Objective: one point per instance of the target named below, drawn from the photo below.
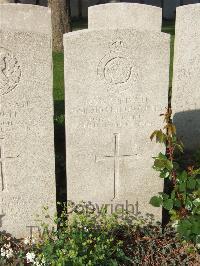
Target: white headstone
(116, 85)
(186, 82)
(27, 176)
(125, 15)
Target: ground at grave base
(105, 240)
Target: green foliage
(84, 240)
(183, 203)
(99, 240)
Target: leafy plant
(183, 202)
(99, 239)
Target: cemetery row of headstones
(116, 86)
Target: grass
(58, 69)
(168, 27)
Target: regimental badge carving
(115, 68)
(10, 71)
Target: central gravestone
(116, 87)
(27, 176)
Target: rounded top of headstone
(190, 6)
(187, 19)
(188, 9)
(125, 15)
(25, 17)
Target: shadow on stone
(188, 128)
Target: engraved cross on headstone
(3, 159)
(116, 158)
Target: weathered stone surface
(125, 15)
(6, 1)
(116, 86)
(27, 176)
(186, 82)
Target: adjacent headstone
(186, 82)
(125, 15)
(116, 86)
(27, 176)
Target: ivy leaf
(156, 201)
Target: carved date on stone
(10, 71)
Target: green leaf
(183, 176)
(177, 203)
(196, 202)
(174, 215)
(159, 135)
(196, 172)
(196, 227)
(173, 195)
(162, 156)
(182, 187)
(168, 204)
(165, 196)
(191, 184)
(188, 204)
(156, 201)
(176, 165)
(153, 135)
(159, 163)
(164, 174)
(179, 147)
(169, 165)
